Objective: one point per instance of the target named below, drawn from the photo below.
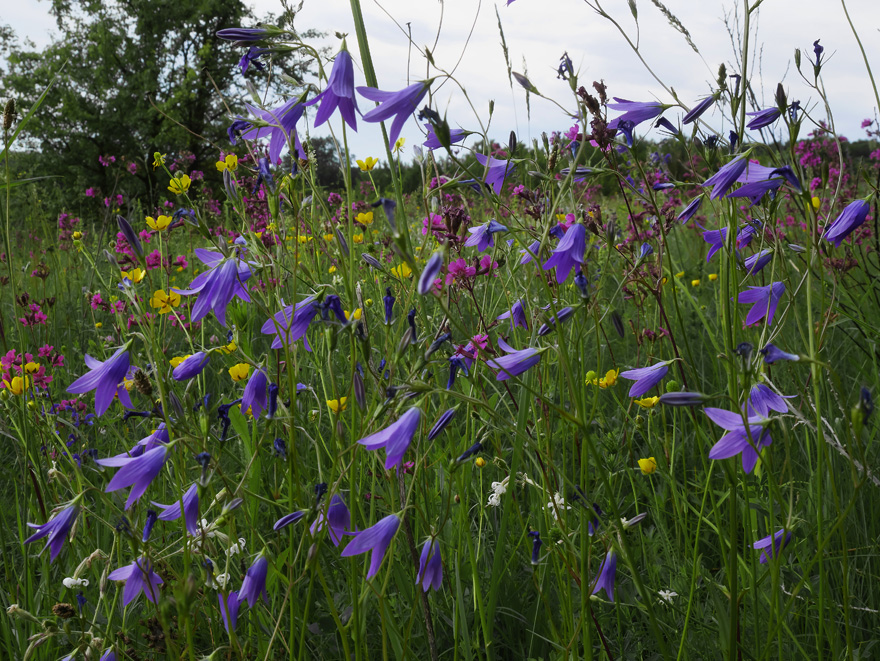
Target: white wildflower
(222, 580)
(75, 582)
(557, 505)
(666, 596)
(498, 490)
(235, 549)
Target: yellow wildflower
(304, 238)
(135, 275)
(180, 184)
(329, 237)
(365, 218)
(648, 465)
(402, 271)
(337, 405)
(357, 314)
(610, 379)
(178, 359)
(358, 238)
(98, 324)
(479, 462)
(367, 164)
(647, 402)
(229, 348)
(31, 367)
(18, 384)
(77, 236)
(239, 372)
(229, 163)
(332, 269)
(399, 144)
(695, 283)
(680, 274)
(165, 301)
(158, 160)
(158, 224)
(713, 277)
(816, 203)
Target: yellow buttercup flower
(367, 164)
(647, 402)
(680, 274)
(158, 160)
(816, 203)
(399, 144)
(713, 277)
(31, 367)
(165, 302)
(648, 465)
(329, 237)
(357, 314)
(158, 224)
(357, 238)
(365, 218)
(18, 384)
(77, 236)
(332, 269)
(304, 238)
(695, 283)
(479, 462)
(229, 163)
(179, 185)
(402, 271)
(135, 275)
(239, 372)
(229, 348)
(179, 359)
(610, 379)
(98, 324)
(337, 405)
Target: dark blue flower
(254, 397)
(569, 252)
(497, 170)
(237, 127)
(291, 323)
(339, 93)
(433, 142)
(560, 317)
(395, 438)
(765, 300)
(741, 438)
(606, 576)
(287, 519)
(698, 110)
(683, 398)
(139, 577)
(470, 452)
(400, 105)
(229, 609)
(688, 212)
(482, 236)
(243, 35)
(389, 304)
(645, 377)
(252, 56)
(772, 353)
(441, 423)
(716, 239)
(666, 124)
(191, 367)
(536, 545)
(254, 584)
(282, 127)
(135, 472)
(757, 189)
(515, 362)
(130, 236)
(758, 261)
(635, 111)
(430, 566)
(337, 519)
(762, 400)
(55, 529)
(847, 222)
(150, 521)
(516, 314)
(762, 118)
(432, 269)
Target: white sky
(538, 31)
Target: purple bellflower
(287, 519)
(337, 519)
(645, 377)
(229, 609)
(135, 472)
(252, 56)
(430, 566)
(433, 142)
(400, 105)
(191, 367)
(773, 353)
(254, 397)
(441, 423)
(429, 273)
(243, 35)
(105, 379)
(254, 584)
(568, 252)
(516, 314)
(772, 545)
(527, 253)
(606, 576)
(560, 317)
(339, 93)
(139, 577)
(482, 236)
(757, 189)
(190, 511)
(291, 323)
(849, 219)
(635, 111)
(375, 539)
(217, 286)
(695, 112)
(688, 212)
(282, 121)
(726, 177)
(762, 118)
(515, 362)
(55, 529)
(758, 261)
(395, 438)
(737, 440)
(108, 655)
(762, 400)
(765, 300)
(497, 171)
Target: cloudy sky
(538, 32)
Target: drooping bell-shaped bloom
(527, 253)
(606, 576)
(135, 472)
(229, 610)
(217, 286)
(634, 111)
(105, 378)
(516, 314)
(190, 510)
(560, 317)
(483, 236)
(762, 400)
(400, 105)
(337, 519)
(726, 177)
(55, 529)
(254, 584)
(773, 353)
(339, 93)
(426, 279)
(849, 219)
(441, 423)
(376, 539)
(243, 35)
(771, 545)
(758, 261)
(497, 171)
(139, 577)
(291, 323)
(695, 112)
(737, 439)
(762, 118)
(287, 519)
(645, 377)
(254, 397)
(757, 189)
(395, 438)
(433, 142)
(715, 239)
(191, 367)
(568, 253)
(515, 362)
(282, 120)
(430, 566)
(108, 655)
(764, 300)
